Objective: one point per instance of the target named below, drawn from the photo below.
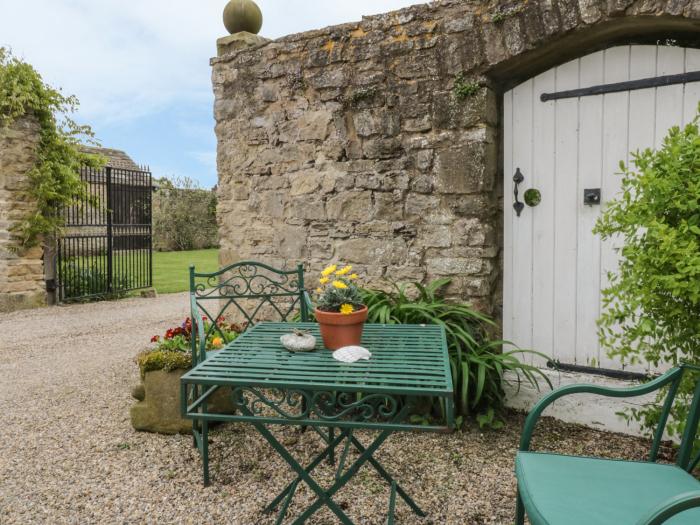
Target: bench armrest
(199, 341)
(550, 398)
(672, 506)
(309, 305)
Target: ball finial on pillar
(242, 15)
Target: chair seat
(572, 490)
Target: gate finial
(242, 16)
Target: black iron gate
(106, 247)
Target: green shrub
(652, 305)
(478, 363)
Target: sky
(140, 68)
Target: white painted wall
(586, 409)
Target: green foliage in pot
(54, 182)
(479, 365)
(652, 303)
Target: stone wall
(21, 273)
(350, 144)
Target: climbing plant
(652, 304)
(54, 181)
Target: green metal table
(271, 385)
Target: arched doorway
(568, 144)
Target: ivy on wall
(54, 181)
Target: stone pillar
(237, 42)
(21, 271)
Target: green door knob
(242, 15)
(532, 197)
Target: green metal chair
(554, 489)
(246, 287)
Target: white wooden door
(554, 267)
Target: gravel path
(69, 454)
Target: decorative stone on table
(298, 341)
(351, 354)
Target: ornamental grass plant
(479, 364)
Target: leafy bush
(184, 216)
(479, 364)
(652, 304)
(339, 292)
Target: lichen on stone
(151, 360)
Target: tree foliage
(184, 216)
(54, 182)
(652, 304)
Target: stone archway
(638, 27)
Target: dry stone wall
(350, 143)
(21, 273)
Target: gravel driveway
(69, 454)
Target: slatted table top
(406, 359)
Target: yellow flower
(329, 270)
(344, 270)
(319, 290)
(217, 342)
(323, 280)
(353, 276)
(346, 309)
(340, 285)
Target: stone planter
(158, 406)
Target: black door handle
(518, 178)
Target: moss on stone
(161, 360)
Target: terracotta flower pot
(340, 330)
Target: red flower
(155, 339)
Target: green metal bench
(246, 287)
(555, 489)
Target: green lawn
(171, 269)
